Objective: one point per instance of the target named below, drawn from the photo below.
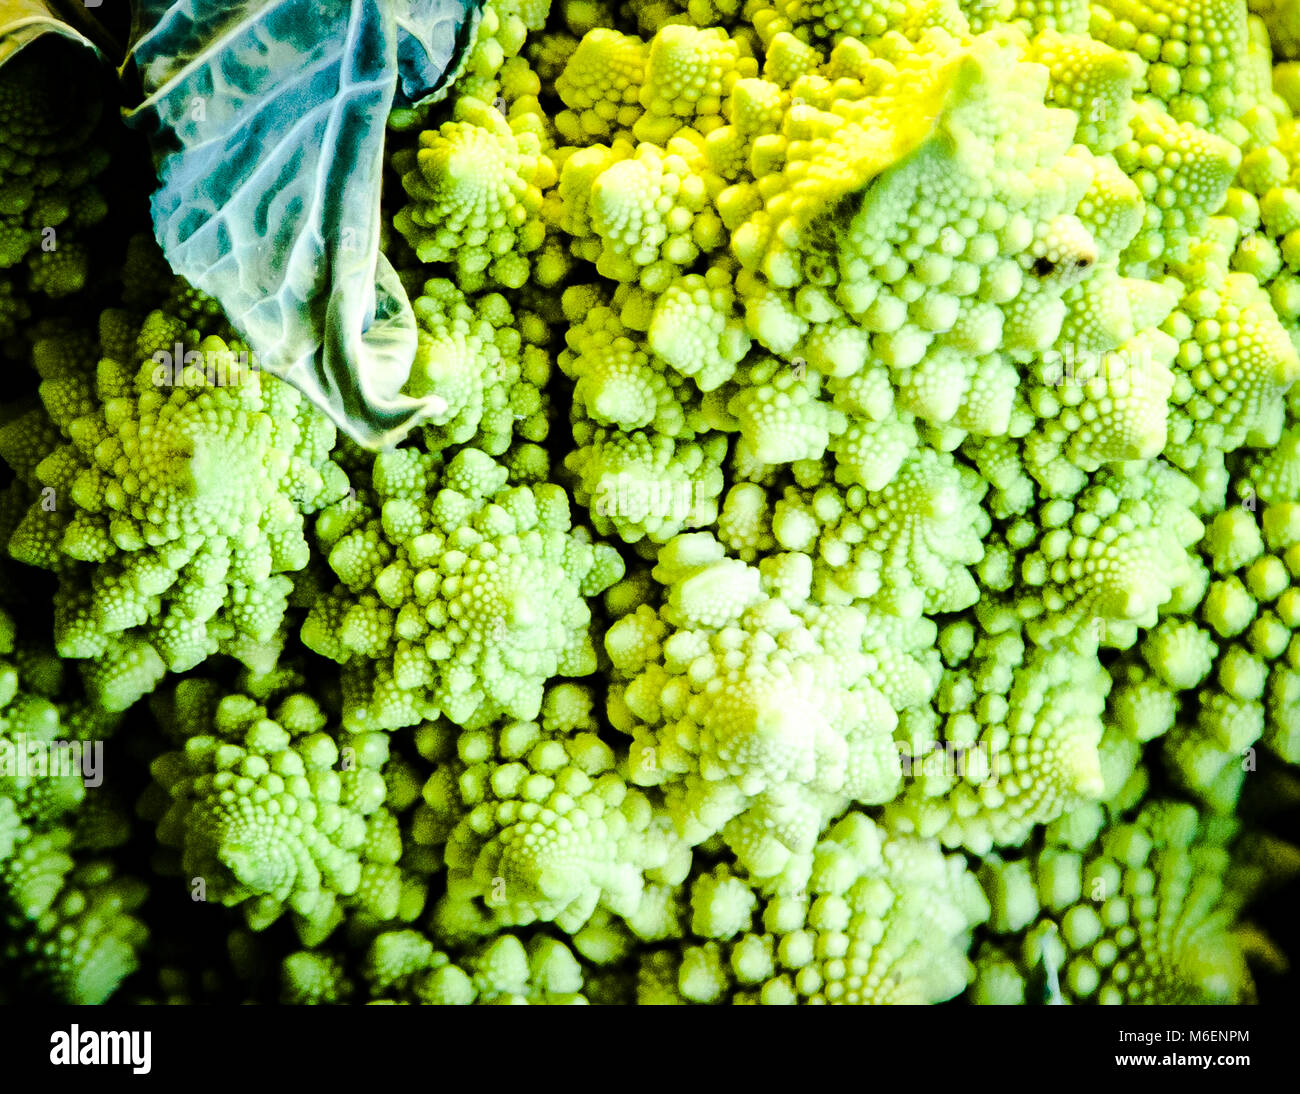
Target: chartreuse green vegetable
(267, 814)
(66, 909)
(847, 549)
(168, 480)
(52, 155)
(461, 599)
(1138, 912)
(539, 822)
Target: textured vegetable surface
(839, 540)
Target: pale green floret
(695, 328)
(78, 938)
(50, 157)
(601, 87)
(1251, 614)
(460, 595)
(487, 362)
(779, 414)
(1145, 917)
(618, 383)
(1234, 364)
(403, 966)
(37, 795)
(639, 213)
(66, 917)
(1096, 408)
(689, 74)
(880, 919)
(1062, 16)
(1179, 652)
(537, 821)
(269, 814)
(313, 979)
(903, 548)
(170, 502)
(1194, 50)
(1103, 563)
(791, 705)
(825, 23)
(476, 195)
(1093, 81)
(642, 486)
(1018, 746)
(1182, 173)
(876, 438)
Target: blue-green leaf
(267, 122)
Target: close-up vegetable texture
(677, 501)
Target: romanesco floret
(168, 497)
(760, 712)
(70, 934)
(50, 156)
(269, 814)
(1223, 680)
(459, 595)
(405, 967)
(643, 211)
(903, 548)
(488, 363)
(1192, 50)
(601, 87)
(1095, 567)
(77, 937)
(537, 820)
(476, 196)
(1234, 364)
(1145, 916)
(882, 918)
(1018, 743)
